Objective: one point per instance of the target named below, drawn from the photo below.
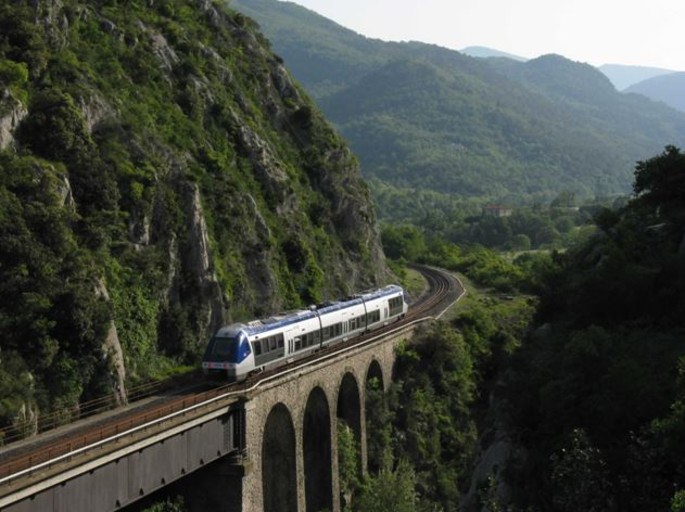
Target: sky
(632, 32)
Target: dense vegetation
(597, 393)
(588, 399)
(422, 117)
(160, 174)
(423, 433)
(466, 222)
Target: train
(238, 350)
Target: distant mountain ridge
(485, 52)
(422, 116)
(669, 89)
(623, 76)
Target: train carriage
(239, 349)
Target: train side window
(272, 343)
(280, 341)
(257, 348)
(298, 343)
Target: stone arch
(279, 469)
(316, 447)
(348, 413)
(376, 417)
(375, 372)
(349, 404)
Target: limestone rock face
(112, 353)
(196, 182)
(11, 114)
(198, 260)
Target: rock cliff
(182, 171)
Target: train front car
(397, 301)
(384, 306)
(229, 354)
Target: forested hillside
(421, 116)
(596, 394)
(160, 175)
(562, 388)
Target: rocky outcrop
(353, 217)
(12, 112)
(94, 110)
(499, 457)
(26, 421)
(50, 14)
(199, 170)
(66, 195)
(113, 357)
(112, 353)
(268, 171)
(198, 262)
(258, 257)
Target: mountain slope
(160, 175)
(423, 116)
(339, 57)
(669, 89)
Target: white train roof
(287, 318)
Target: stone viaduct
(291, 442)
(270, 448)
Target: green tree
(436, 384)
(660, 182)
(581, 478)
(403, 242)
(392, 490)
(348, 465)
(520, 242)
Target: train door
(289, 341)
(294, 342)
(344, 317)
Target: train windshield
(225, 349)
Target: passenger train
(240, 349)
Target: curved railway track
(24, 457)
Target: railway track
(20, 458)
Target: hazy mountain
(423, 116)
(324, 55)
(484, 52)
(669, 89)
(623, 76)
